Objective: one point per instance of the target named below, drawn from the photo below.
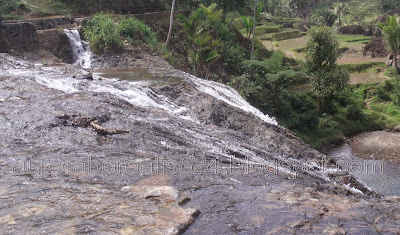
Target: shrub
(136, 32)
(354, 111)
(382, 92)
(9, 6)
(103, 33)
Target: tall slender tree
(254, 30)
(329, 80)
(171, 23)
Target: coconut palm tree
(340, 10)
(391, 36)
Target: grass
(353, 38)
(363, 67)
(15, 9)
(280, 36)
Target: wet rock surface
(381, 145)
(191, 163)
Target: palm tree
(391, 36)
(340, 10)
(248, 24)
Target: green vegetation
(391, 36)
(321, 54)
(106, 33)
(136, 32)
(103, 33)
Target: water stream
(381, 176)
(80, 48)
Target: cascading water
(176, 114)
(80, 48)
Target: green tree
(358, 17)
(322, 52)
(391, 36)
(301, 7)
(248, 24)
(200, 28)
(341, 9)
(327, 16)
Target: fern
(275, 62)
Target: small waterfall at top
(80, 48)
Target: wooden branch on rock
(105, 131)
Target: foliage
(391, 36)
(341, 9)
(326, 16)
(103, 33)
(248, 24)
(321, 55)
(201, 30)
(358, 17)
(301, 7)
(136, 32)
(388, 5)
(360, 67)
(211, 40)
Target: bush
(382, 92)
(103, 33)
(136, 32)
(354, 111)
(9, 6)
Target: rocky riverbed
(195, 159)
(379, 145)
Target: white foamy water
(80, 48)
(230, 96)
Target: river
(382, 176)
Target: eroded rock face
(188, 165)
(375, 48)
(352, 29)
(18, 37)
(57, 43)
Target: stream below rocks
(381, 176)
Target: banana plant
(248, 23)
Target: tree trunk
(320, 108)
(233, 18)
(395, 63)
(254, 36)
(254, 31)
(224, 9)
(171, 23)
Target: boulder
(83, 75)
(352, 29)
(373, 31)
(287, 25)
(389, 60)
(375, 48)
(382, 18)
(303, 26)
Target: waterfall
(82, 53)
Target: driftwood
(105, 131)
